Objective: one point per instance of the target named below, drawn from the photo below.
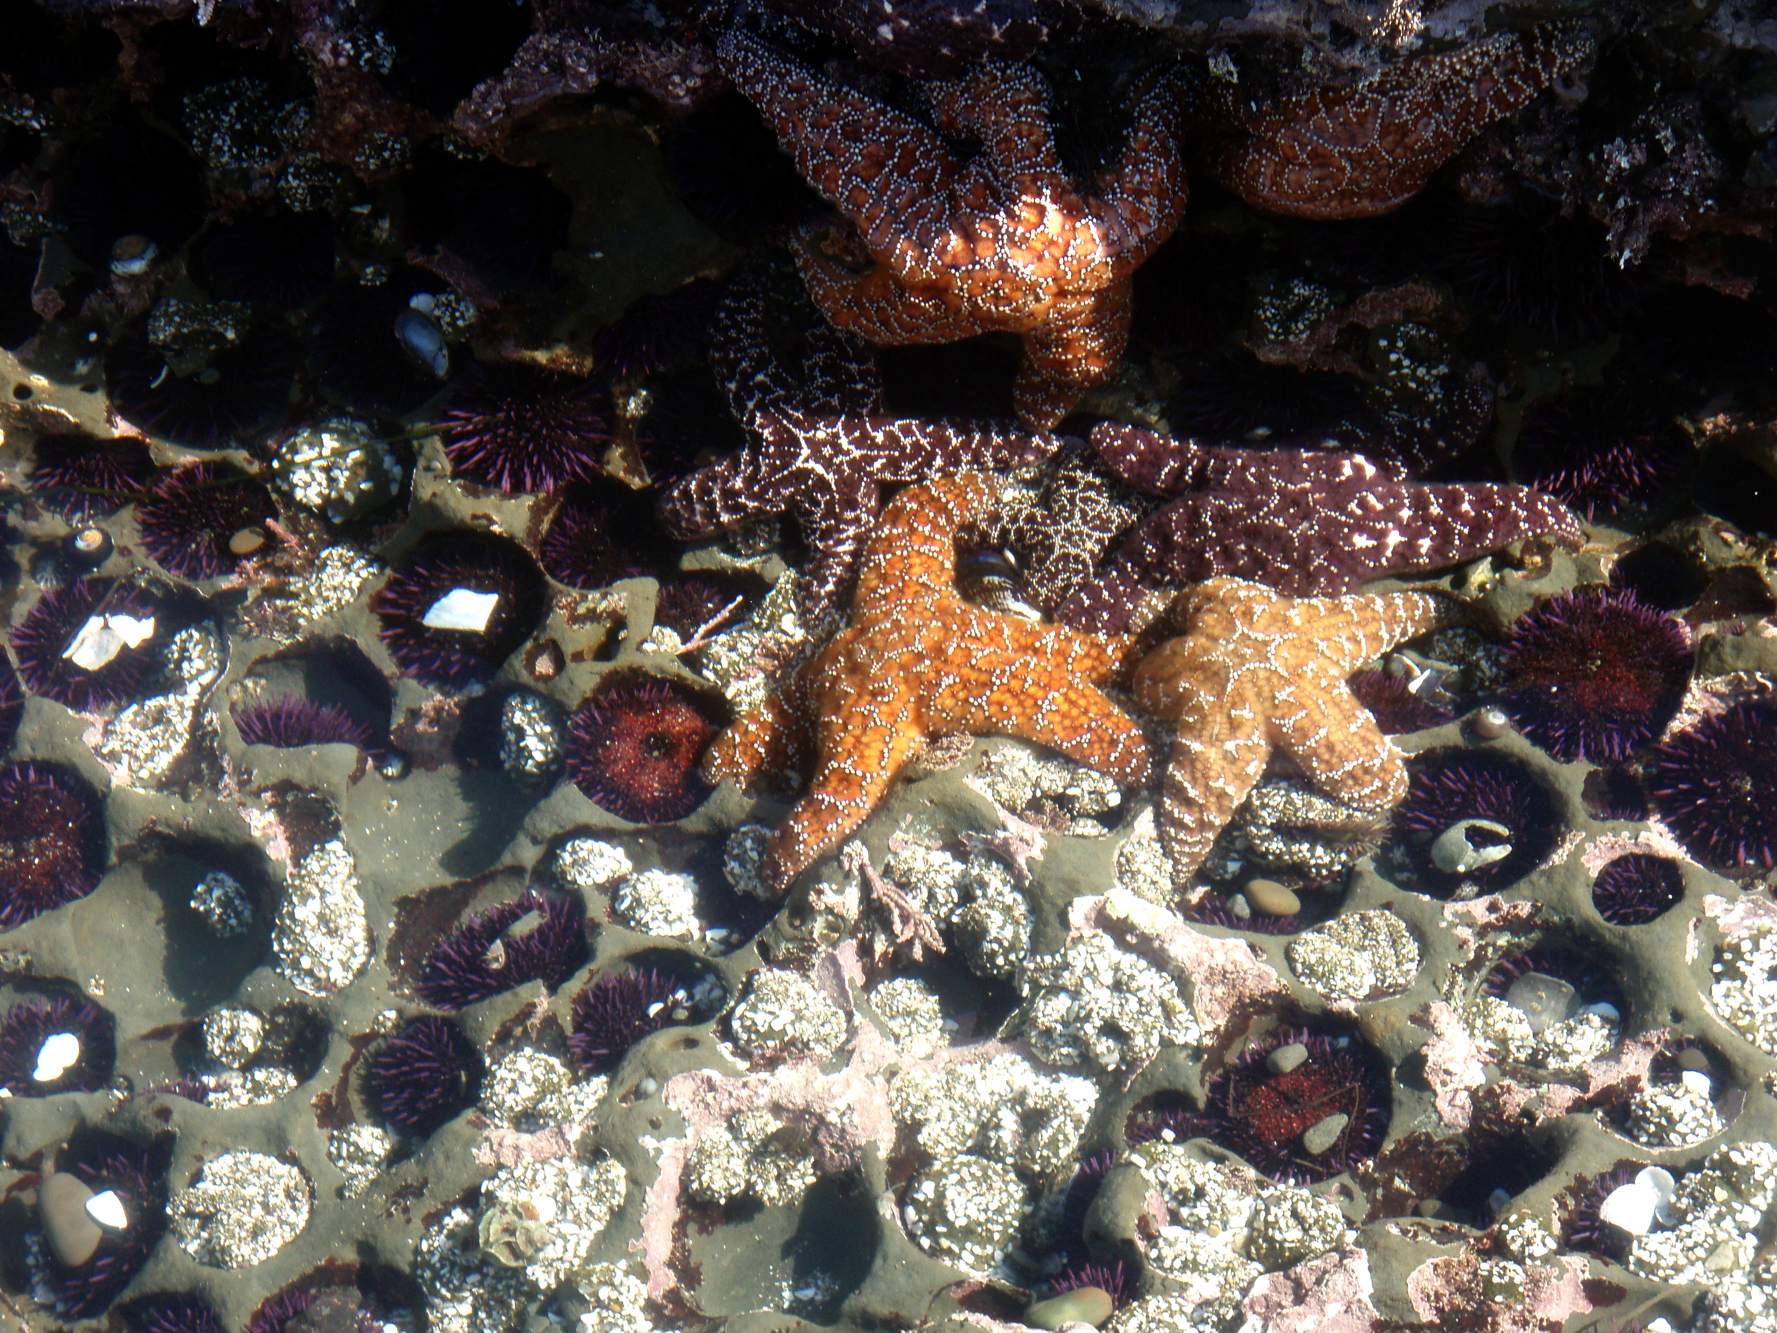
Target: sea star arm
(1361, 149)
(837, 373)
(712, 498)
(1006, 107)
(885, 171)
(775, 736)
(878, 306)
(1141, 196)
(1215, 762)
(864, 743)
(1062, 358)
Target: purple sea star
(1306, 523)
(820, 448)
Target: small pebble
(1286, 1058)
(61, 1206)
(1693, 1058)
(1697, 1083)
(1239, 907)
(1082, 1305)
(1491, 724)
(1272, 898)
(1323, 1134)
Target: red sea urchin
(1595, 674)
(28, 1024)
(290, 721)
(516, 426)
(531, 938)
(1715, 783)
(445, 656)
(52, 840)
(192, 515)
(634, 749)
(1448, 831)
(617, 1010)
(1636, 888)
(422, 1076)
(138, 1175)
(1300, 1115)
(1601, 452)
(81, 477)
(42, 639)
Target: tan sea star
(1255, 671)
(916, 663)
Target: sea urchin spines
(1601, 452)
(516, 426)
(1472, 817)
(423, 1075)
(617, 1010)
(1637, 888)
(1595, 674)
(531, 938)
(1114, 1279)
(603, 531)
(52, 840)
(431, 608)
(1166, 1117)
(1301, 1106)
(290, 720)
(1565, 979)
(42, 640)
(37, 1059)
(185, 1313)
(635, 747)
(190, 519)
(1715, 784)
(281, 261)
(234, 392)
(138, 1176)
(81, 477)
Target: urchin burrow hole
(1554, 977)
(330, 673)
(1475, 816)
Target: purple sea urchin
(81, 477)
(28, 1024)
(1595, 674)
(531, 938)
(1586, 1228)
(52, 840)
(333, 1304)
(185, 1313)
(290, 720)
(12, 704)
(1114, 1279)
(1715, 783)
(634, 749)
(1393, 704)
(1590, 983)
(603, 531)
(192, 515)
(515, 426)
(280, 261)
(617, 1010)
(1305, 1120)
(42, 639)
(1166, 1117)
(1524, 263)
(1446, 833)
(659, 332)
(203, 403)
(687, 417)
(693, 602)
(1635, 889)
(1601, 451)
(423, 1075)
(138, 1175)
(451, 562)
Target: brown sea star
(1363, 148)
(819, 445)
(1254, 672)
(963, 245)
(916, 663)
(1303, 521)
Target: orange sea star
(1256, 671)
(964, 245)
(1363, 148)
(917, 662)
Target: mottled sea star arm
(885, 171)
(1141, 196)
(837, 374)
(877, 306)
(712, 498)
(1007, 108)
(774, 737)
(1064, 358)
(1149, 461)
(1208, 774)
(863, 744)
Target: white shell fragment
(57, 1055)
(1634, 1207)
(106, 1209)
(1697, 1083)
(462, 608)
(104, 636)
(1456, 854)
